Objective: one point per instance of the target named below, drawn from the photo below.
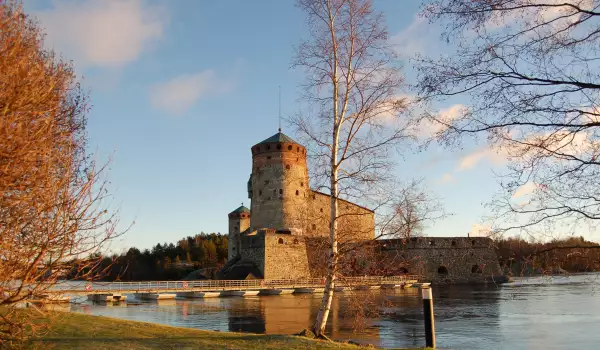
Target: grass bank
(79, 331)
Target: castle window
(298, 149)
(442, 270)
(314, 227)
(287, 166)
(302, 184)
(260, 193)
(431, 243)
(473, 242)
(314, 197)
(476, 269)
(235, 227)
(280, 241)
(280, 191)
(321, 210)
(297, 192)
(295, 240)
(278, 146)
(266, 182)
(453, 243)
(289, 147)
(268, 157)
(268, 146)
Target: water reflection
(518, 316)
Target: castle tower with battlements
(278, 185)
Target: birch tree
(529, 71)
(353, 113)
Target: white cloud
(525, 189)
(182, 92)
(447, 178)
(410, 41)
(495, 156)
(428, 127)
(478, 230)
(102, 33)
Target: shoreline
(71, 330)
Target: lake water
(531, 313)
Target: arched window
(442, 270)
(295, 240)
(476, 269)
(280, 241)
(297, 192)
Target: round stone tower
(278, 185)
(239, 221)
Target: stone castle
(279, 236)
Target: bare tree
(352, 87)
(52, 216)
(529, 71)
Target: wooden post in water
(428, 317)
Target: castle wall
(237, 224)
(286, 257)
(444, 259)
(355, 223)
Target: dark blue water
(534, 313)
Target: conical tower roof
(278, 138)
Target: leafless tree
(53, 219)
(529, 71)
(355, 118)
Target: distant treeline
(168, 261)
(521, 257)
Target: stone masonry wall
(285, 257)
(355, 224)
(445, 259)
(279, 186)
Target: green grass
(79, 331)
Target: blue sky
(181, 90)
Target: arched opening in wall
(476, 269)
(297, 193)
(280, 241)
(442, 270)
(295, 240)
(321, 210)
(287, 167)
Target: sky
(181, 89)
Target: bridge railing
(215, 285)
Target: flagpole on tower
(279, 108)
